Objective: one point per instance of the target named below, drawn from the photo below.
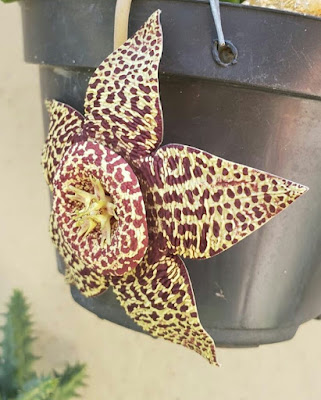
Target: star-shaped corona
(125, 210)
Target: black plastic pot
(264, 111)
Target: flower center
(97, 211)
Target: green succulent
(18, 380)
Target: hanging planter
(263, 111)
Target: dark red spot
(267, 198)
(216, 229)
(230, 193)
(241, 217)
(237, 203)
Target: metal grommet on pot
(224, 52)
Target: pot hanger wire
(122, 11)
(215, 8)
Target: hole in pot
(225, 55)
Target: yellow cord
(122, 11)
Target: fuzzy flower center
(97, 211)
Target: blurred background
(122, 364)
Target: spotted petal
(85, 278)
(83, 163)
(159, 298)
(122, 105)
(202, 204)
(65, 128)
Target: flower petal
(82, 163)
(202, 204)
(65, 128)
(122, 105)
(86, 279)
(158, 296)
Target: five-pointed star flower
(125, 210)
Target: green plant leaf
(41, 389)
(17, 359)
(71, 379)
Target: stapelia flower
(124, 212)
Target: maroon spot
(251, 227)
(144, 89)
(244, 226)
(272, 209)
(265, 188)
(216, 229)
(230, 193)
(216, 196)
(267, 198)
(220, 209)
(205, 195)
(225, 172)
(203, 244)
(241, 217)
(262, 177)
(177, 213)
(227, 205)
(237, 203)
(247, 191)
(200, 212)
(197, 172)
(229, 227)
(254, 199)
(229, 216)
(190, 197)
